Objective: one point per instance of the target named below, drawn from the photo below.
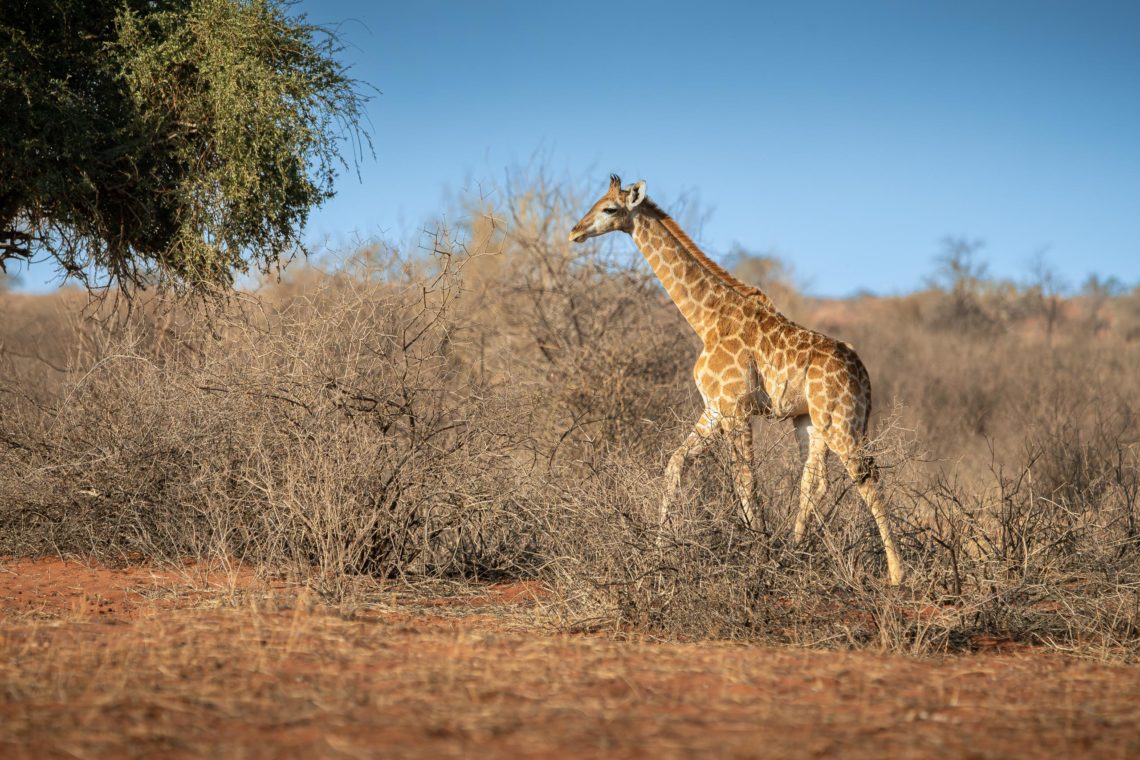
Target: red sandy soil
(96, 662)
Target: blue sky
(846, 137)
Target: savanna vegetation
(498, 406)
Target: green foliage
(180, 140)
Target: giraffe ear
(636, 194)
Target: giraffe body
(754, 361)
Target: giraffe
(754, 361)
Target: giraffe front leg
(696, 442)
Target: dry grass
(503, 409)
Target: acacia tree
(178, 140)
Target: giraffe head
(614, 211)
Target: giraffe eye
(609, 210)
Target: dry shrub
(506, 408)
(328, 434)
(587, 332)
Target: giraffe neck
(698, 287)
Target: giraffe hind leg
(813, 482)
(743, 481)
(863, 471)
(869, 490)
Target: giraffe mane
(694, 250)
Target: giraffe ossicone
(754, 361)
